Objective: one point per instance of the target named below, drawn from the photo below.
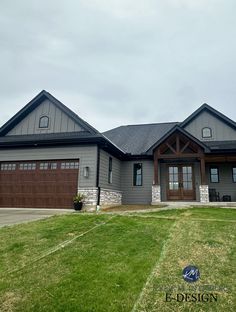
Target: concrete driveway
(10, 216)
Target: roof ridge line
(153, 123)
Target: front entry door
(180, 182)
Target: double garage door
(38, 184)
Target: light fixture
(86, 172)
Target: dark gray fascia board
(49, 141)
(95, 139)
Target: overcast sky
(117, 62)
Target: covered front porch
(186, 171)
(221, 177)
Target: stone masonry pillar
(156, 194)
(204, 193)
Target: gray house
(48, 154)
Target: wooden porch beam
(171, 148)
(156, 173)
(219, 158)
(193, 155)
(185, 146)
(203, 170)
(177, 143)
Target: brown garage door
(38, 184)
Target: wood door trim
(181, 191)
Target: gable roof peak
(179, 129)
(212, 111)
(35, 102)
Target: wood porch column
(203, 170)
(156, 173)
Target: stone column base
(204, 193)
(91, 195)
(156, 194)
(110, 197)
(107, 197)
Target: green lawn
(104, 262)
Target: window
(110, 171)
(46, 166)
(70, 165)
(206, 133)
(137, 175)
(173, 178)
(43, 166)
(44, 122)
(53, 166)
(234, 174)
(214, 175)
(28, 166)
(8, 167)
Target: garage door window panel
(69, 165)
(27, 166)
(48, 166)
(43, 166)
(8, 167)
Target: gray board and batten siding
(58, 121)
(87, 156)
(220, 130)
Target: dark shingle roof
(50, 138)
(46, 136)
(137, 139)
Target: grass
(123, 208)
(122, 263)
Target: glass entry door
(180, 182)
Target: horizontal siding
(136, 194)
(87, 156)
(226, 185)
(220, 130)
(58, 121)
(104, 169)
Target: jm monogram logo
(191, 274)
